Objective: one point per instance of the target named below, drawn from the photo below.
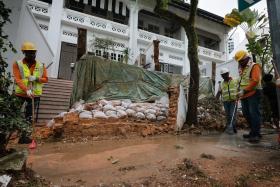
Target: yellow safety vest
(229, 90)
(25, 74)
(246, 78)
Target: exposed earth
(164, 160)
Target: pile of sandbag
(104, 109)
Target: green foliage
(103, 44)
(165, 4)
(10, 114)
(260, 45)
(249, 16)
(252, 22)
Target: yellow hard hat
(28, 46)
(239, 55)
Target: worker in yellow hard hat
(250, 94)
(29, 75)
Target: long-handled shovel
(235, 105)
(33, 143)
(234, 112)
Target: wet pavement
(106, 161)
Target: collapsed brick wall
(173, 105)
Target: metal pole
(273, 8)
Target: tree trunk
(156, 55)
(194, 76)
(194, 69)
(188, 24)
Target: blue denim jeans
(251, 111)
(230, 110)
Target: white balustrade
(95, 22)
(209, 53)
(165, 41)
(39, 8)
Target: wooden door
(68, 55)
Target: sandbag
(100, 115)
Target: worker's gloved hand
(32, 78)
(240, 93)
(277, 82)
(29, 93)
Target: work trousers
(251, 111)
(28, 107)
(230, 109)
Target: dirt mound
(211, 115)
(70, 127)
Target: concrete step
(56, 96)
(55, 89)
(50, 111)
(59, 80)
(44, 106)
(57, 86)
(65, 100)
(49, 92)
(54, 103)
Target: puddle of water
(94, 162)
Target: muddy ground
(165, 160)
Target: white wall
(23, 28)
(12, 29)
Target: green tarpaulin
(97, 79)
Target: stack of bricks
(173, 105)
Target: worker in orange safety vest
(29, 75)
(250, 94)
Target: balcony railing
(179, 45)
(209, 53)
(103, 25)
(39, 8)
(164, 41)
(95, 22)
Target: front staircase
(55, 99)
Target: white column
(102, 4)
(186, 62)
(225, 47)
(124, 9)
(117, 5)
(133, 31)
(110, 4)
(54, 33)
(93, 3)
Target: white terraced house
(131, 25)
